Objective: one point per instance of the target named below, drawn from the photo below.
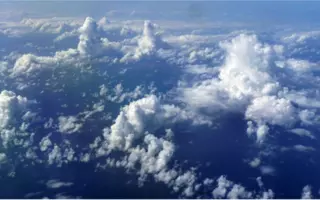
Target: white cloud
(302, 133)
(69, 124)
(91, 44)
(228, 189)
(89, 40)
(55, 184)
(267, 170)
(223, 185)
(238, 191)
(10, 103)
(255, 162)
(282, 112)
(306, 192)
(45, 143)
(144, 114)
(147, 44)
(249, 82)
(55, 156)
(303, 148)
(136, 122)
(12, 109)
(119, 95)
(3, 157)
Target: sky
(158, 99)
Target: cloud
(119, 95)
(50, 25)
(302, 133)
(240, 75)
(55, 156)
(148, 44)
(10, 103)
(146, 114)
(45, 143)
(282, 112)
(250, 81)
(12, 109)
(300, 148)
(3, 157)
(306, 192)
(153, 154)
(91, 45)
(228, 189)
(55, 184)
(267, 170)
(255, 162)
(89, 40)
(69, 124)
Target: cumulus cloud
(282, 112)
(306, 192)
(91, 45)
(228, 189)
(69, 124)
(147, 44)
(119, 95)
(146, 114)
(89, 40)
(255, 162)
(250, 81)
(45, 143)
(12, 109)
(136, 122)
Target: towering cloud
(12, 109)
(147, 44)
(247, 82)
(89, 39)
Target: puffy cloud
(91, 45)
(301, 37)
(29, 63)
(50, 25)
(146, 114)
(222, 186)
(228, 189)
(282, 112)
(255, 162)
(89, 40)
(238, 191)
(306, 192)
(251, 82)
(45, 143)
(55, 156)
(12, 109)
(3, 157)
(243, 77)
(148, 43)
(69, 124)
(10, 104)
(153, 155)
(119, 95)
